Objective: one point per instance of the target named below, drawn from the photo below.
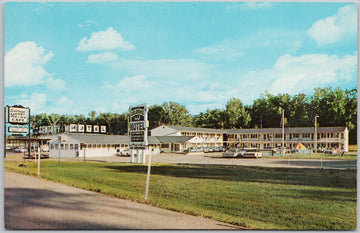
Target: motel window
(61, 146)
(278, 135)
(71, 146)
(253, 135)
(165, 145)
(117, 145)
(89, 146)
(56, 146)
(52, 146)
(76, 146)
(296, 135)
(306, 135)
(66, 146)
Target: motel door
(177, 147)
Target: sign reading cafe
(18, 115)
(138, 126)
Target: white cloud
(165, 69)
(24, 65)
(284, 41)
(55, 84)
(63, 101)
(104, 40)
(102, 57)
(250, 5)
(36, 102)
(335, 28)
(294, 74)
(225, 50)
(87, 23)
(137, 85)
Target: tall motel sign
(17, 118)
(138, 132)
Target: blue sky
(71, 58)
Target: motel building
(328, 138)
(178, 139)
(262, 139)
(96, 145)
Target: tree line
(334, 107)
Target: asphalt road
(32, 203)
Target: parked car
(209, 149)
(125, 152)
(232, 153)
(251, 154)
(19, 150)
(218, 149)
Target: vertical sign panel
(138, 126)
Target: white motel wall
(179, 139)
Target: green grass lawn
(253, 197)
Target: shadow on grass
(292, 176)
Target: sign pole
(148, 176)
(137, 156)
(38, 161)
(29, 134)
(131, 155)
(5, 110)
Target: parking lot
(216, 159)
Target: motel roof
(262, 130)
(195, 129)
(121, 139)
(289, 130)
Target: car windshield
(232, 150)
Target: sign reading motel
(71, 128)
(138, 126)
(18, 115)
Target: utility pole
(315, 136)
(29, 127)
(283, 133)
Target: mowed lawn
(252, 197)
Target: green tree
(156, 116)
(237, 116)
(175, 114)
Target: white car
(251, 154)
(19, 150)
(232, 153)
